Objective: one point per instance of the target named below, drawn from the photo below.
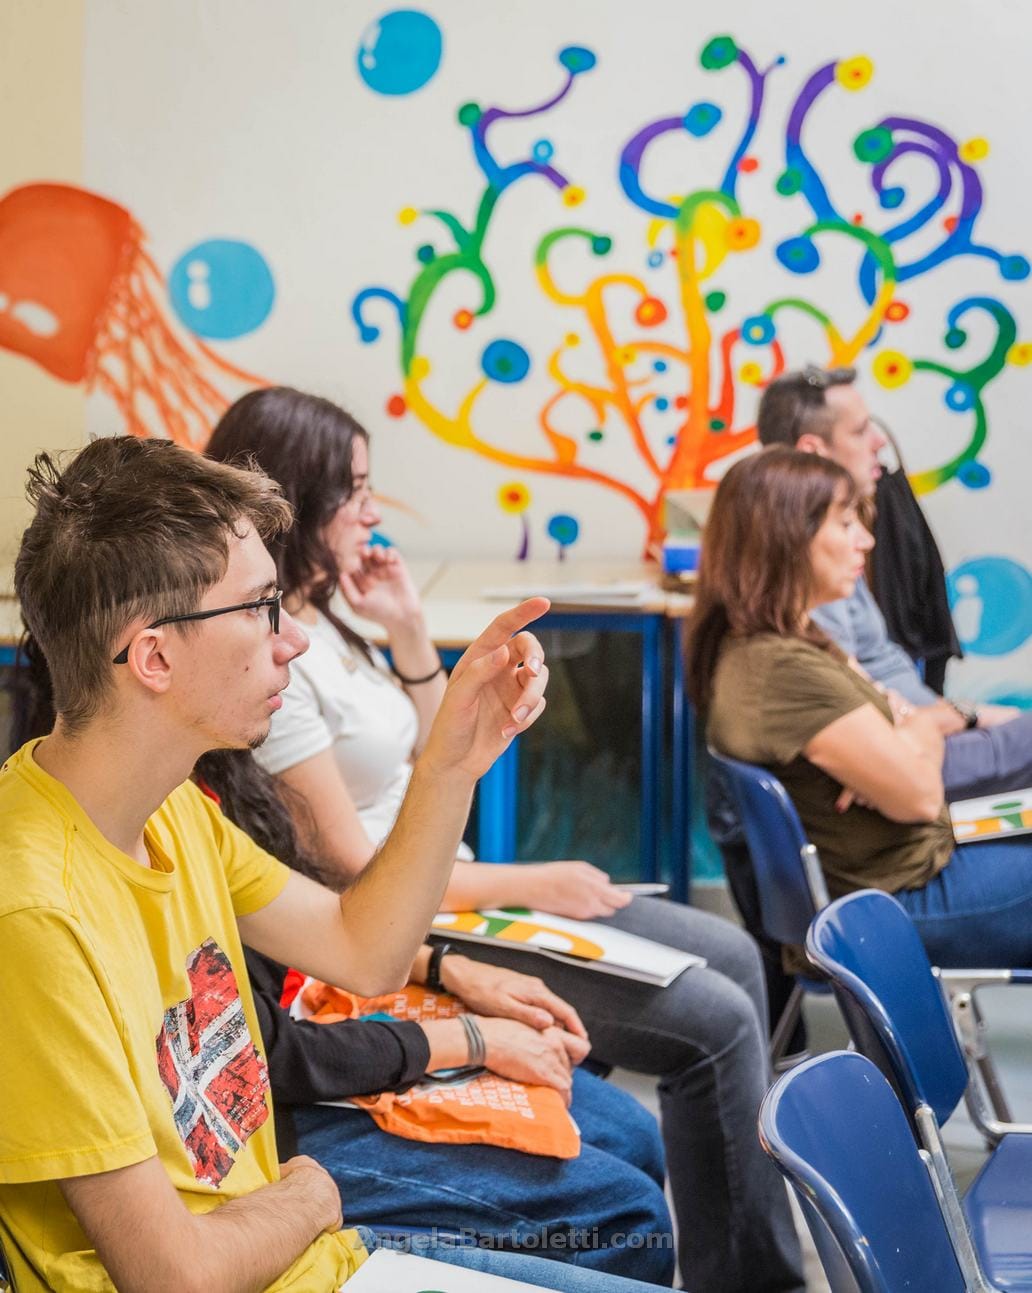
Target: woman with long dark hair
(343, 743)
(863, 769)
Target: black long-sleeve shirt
(309, 1062)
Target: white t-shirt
(338, 701)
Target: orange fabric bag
(484, 1109)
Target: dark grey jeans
(705, 1038)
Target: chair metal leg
(786, 1025)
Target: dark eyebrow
(263, 590)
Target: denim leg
(988, 760)
(574, 1211)
(704, 1037)
(514, 1266)
(978, 910)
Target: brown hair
(305, 443)
(754, 575)
(129, 529)
(795, 404)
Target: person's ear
(148, 663)
(810, 443)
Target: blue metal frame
(498, 791)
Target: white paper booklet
(1009, 813)
(594, 946)
(599, 592)
(387, 1271)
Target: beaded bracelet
(477, 1047)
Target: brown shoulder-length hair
(754, 575)
(305, 443)
(125, 530)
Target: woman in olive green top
(863, 768)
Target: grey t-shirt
(857, 626)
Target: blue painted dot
(991, 600)
(959, 397)
(505, 361)
(655, 259)
(543, 150)
(564, 529)
(601, 245)
(700, 118)
(891, 198)
(425, 253)
(1014, 268)
(662, 403)
(975, 475)
(799, 255)
(758, 330)
(659, 366)
(671, 440)
(399, 52)
(955, 338)
(577, 59)
(221, 289)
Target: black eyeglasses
(273, 603)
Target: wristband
(433, 969)
(415, 682)
(969, 713)
(477, 1047)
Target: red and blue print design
(211, 1067)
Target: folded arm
(894, 769)
(149, 1242)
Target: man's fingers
(533, 1016)
(503, 627)
(575, 1049)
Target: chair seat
(999, 1210)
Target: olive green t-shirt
(771, 696)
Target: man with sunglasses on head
(988, 747)
(137, 1147)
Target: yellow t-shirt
(127, 1027)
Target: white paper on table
(388, 1271)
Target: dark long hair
(754, 575)
(305, 444)
(261, 806)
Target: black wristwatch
(969, 713)
(433, 969)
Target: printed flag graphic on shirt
(211, 1067)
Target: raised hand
(495, 691)
(382, 589)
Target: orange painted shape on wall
(62, 251)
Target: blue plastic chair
(897, 1015)
(788, 873)
(869, 1199)
(6, 1279)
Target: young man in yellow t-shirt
(136, 1137)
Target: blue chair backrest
(776, 841)
(837, 1131)
(893, 1004)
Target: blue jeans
(705, 1038)
(511, 1266)
(977, 912)
(577, 1211)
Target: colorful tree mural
(681, 351)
